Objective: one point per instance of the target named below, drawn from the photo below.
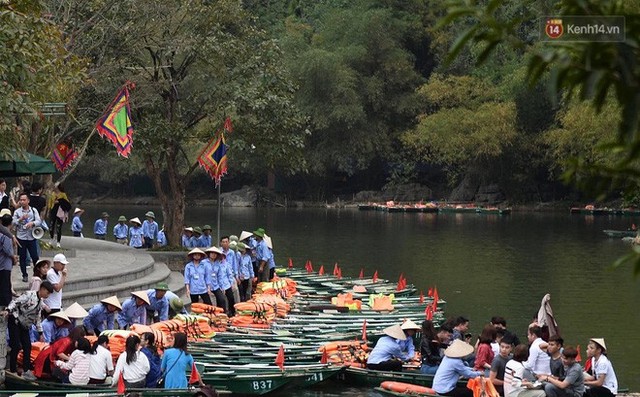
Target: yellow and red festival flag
(115, 124)
(63, 155)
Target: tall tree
(193, 63)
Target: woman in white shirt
(515, 382)
(78, 364)
(101, 364)
(133, 365)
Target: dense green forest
(330, 96)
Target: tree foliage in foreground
(593, 71)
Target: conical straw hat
(61, 314)
(142, 295)
(458, 349)
(245, 235)
(113, 301)
(395, 331)
(196, 251)
(410, 325)
(599, 341)
(76, 311)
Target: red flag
(121, 387)
(310, 266)
(375, 277)
(429, 312)
(290, 264)
(399, 287)
(578, 357)
(364, 330)
(321, 271)
(325, 356)
(227, 124)
(339, 273)
(335, 269)
(280, 358)
(430, 292)
(195, 375)
(361, 273)
(587, 365)
(307, 266)
(421, 297)
(435, 299)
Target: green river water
(482, 265)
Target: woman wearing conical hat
(102, 315)
(134, 310)
(452, 368)
(387, 355)
(196, 277)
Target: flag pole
(218, 228)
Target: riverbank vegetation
(328, 97)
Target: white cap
(61, 258)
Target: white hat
(599, 341)
(78, 209)
(196, 251)
(142, 295)
(135, 220)
(189, 229)
(76, 311)
(61, 314)
(214, 249)
(395, 331)
(5, 211)
(458, 349)
(61, 258)
(113, 301)
(245, 235)
(267, 240)
(410, 325)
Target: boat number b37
(262, 385)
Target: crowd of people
(544, 367)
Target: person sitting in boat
(432, 346)
(134, 310)
(387, 355)
(101, 363)
(408, 345)
(500, 323)
(603, 382)
(101, 316)
(148, 347)
(78, 364)
(484, 352)
(517, 380)
(175, 362)
(538, 361)
(498, 365)
(56, 326)
(572, 385)
(452, 368)
(132, 364)
(44, 365)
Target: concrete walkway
(98, 269)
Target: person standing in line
(57, 204)
(25, 218)
(57, 276)
(150, 230)
(245, 270)
(136, 237)
(205, 239)
(4, 197)
(121, 231)
(262, 255)
(76, 223)
(272, 258)
(21, 313)
(7, 258)
(216, 276)
(197, 277)
(100, 226)
(162, 238)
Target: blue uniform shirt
(205, 241)
(150, 229)
(449, 371)
(76, 224)
(272, 259)
(197, 277)
(158, 305)
(162, 239)
(245, 270)
(135, 236)
(131, 313)
(121, 231)
(50, 331)
(98, 317)
(170, 295)
(386, 349)
(221, 272)
(231, 261)
(100, 227)
(262, 251)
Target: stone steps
(98, 269)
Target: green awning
(12, 164)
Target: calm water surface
(482, 265)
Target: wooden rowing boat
(371, 378)
(620, 233)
